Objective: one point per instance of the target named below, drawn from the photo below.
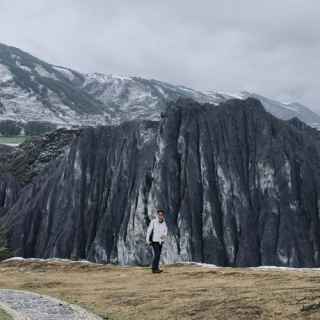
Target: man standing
(156, 234)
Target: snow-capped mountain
(36, 96)
(287, 111)
(133, 97)
(33, 90)
(281, 110)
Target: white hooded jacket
(160, 230)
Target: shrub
(4, 250)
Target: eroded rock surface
(240, 188)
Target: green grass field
(4, 315)
(12, 140)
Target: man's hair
(160, 210)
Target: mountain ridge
(36, 97)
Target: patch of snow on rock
(66, 72)
(5, 74)
(68, 261)
(44, 73)
(200, 264)
(23, 67)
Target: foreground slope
(181, 292)
(240, 188)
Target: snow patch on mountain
(104, 78)
(5, 74)
(23, 106)
(44, 73)
(289, 107)
(20, 105)
(23, 67)
(66, 72)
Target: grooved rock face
(239, 186)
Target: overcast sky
(269, 47)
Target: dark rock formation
(240, 188)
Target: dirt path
(23, 305)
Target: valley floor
(180, 292)
(12, 141)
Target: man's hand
(149, 243)
(163, 238)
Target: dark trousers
(156, 255)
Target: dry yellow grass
(181, 292)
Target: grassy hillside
(181, 292)
(12, 140)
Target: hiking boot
(156, 271)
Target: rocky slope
(286, 111)
(32, 90)
(130, 98)
(36, 97)
(240, 188)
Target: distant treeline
(13, 128)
